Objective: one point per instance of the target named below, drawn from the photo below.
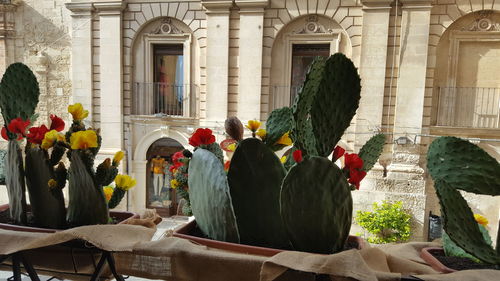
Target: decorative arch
(146, 141)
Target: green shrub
(388, 222)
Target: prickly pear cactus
(87, 204)
(255, 177)
(47, 203)
(316, 206)
(455, 164)
(332, 88)
(452, 249)
(370, 152)
(14, 180)
(210, 199)
(18, 92)
(279, 122)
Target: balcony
(471, 107)
(161, 99)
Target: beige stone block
(234, 33)
(200, 15)
(164, 9)
(271, 13)
(134, 7)
(453, 12)
(172, 9)
(353, 30)
(194, 25)
(128, 33)
(156, 8)
(146, 11)
(284, 16)
(333, 7)
(477, 5)
(139, 17)
(268, 41)
(302, 7)
(496, 5)
(312, 6)
(340, 14)
(128, 16)
(195, 6)
(436, 29)
(355, 12)
(277, 4)
(202, 40)
(445, 20)
(188, 17)
(292, 8)
(464, 6)
(181, 10)
(438, 10)
(358, 20)
(322, 5)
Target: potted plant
(43, 172)
(303, 204)
(456, 164)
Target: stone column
(250, 55)
(412, 67)
(110, 60)
(217, 59)
(137, 194)
(81, 54)
(7, 32)
(372, 67)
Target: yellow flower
(50, 139)
(253, 125)
(108, 192)
(283, 159)
(78, 112)
(285, 140)
(118, 157)
(231, 147)
(174, 183)
(481, 220)
(124, 182)
(83, 139)
(52, 183)
(261, 133)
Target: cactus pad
(370, 152)
(279, 122)
(210, 199)
(255, 177)
(316, 206)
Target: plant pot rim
(15, 227)
(426, 255)
(183, 232)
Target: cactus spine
(458, 164)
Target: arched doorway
(159, 195)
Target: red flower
(337, 153)
(226, 165)
(297, 155)
(202, 137)
(4, 133)
(57, 123)
(352, 161)
(37, 134)
(176, 156)
(355, 177)
(18, 126)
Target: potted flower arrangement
(303, 204)
(43, 172)
(456, 164)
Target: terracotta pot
(187, 230)
(427, 255)
(121, 216)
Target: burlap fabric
(176, 259)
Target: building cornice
(416, 4)
(376, 4)
(80, 8)
(217, 6)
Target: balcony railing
(165, 99)
(281, 95)
(468, 107)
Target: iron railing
(282, 95)
(165, 99)
(471, 107)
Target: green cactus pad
(116, 198)
(370, 152)
(335, 102)
(302, 133)
(460, 225)
(255, 177)
(47, 205)
(279, 122)
(14, 180)
(452, 249)
(18, 92)
(210, 199)
(316, 206)
(463, 165)
(87, 204)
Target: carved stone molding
(166, 27)
(312, 26)
(483, 22)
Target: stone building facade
(152, 71)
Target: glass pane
(168, 79)
(302, 57)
